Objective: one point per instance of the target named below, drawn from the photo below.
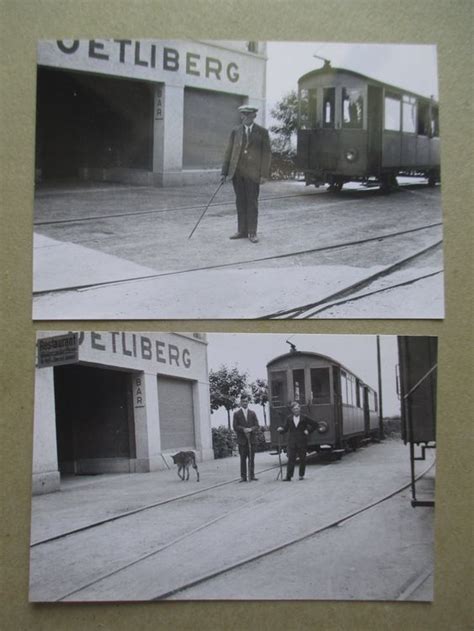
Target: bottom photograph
(227, 466)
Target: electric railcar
(416, 386)
(354, 128)
(345, 408)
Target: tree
(226, 385)
(260, 395)
(285, 113)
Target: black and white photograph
(222, 179)
(233, 466)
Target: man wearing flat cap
(247, 162)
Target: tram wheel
(335, 186)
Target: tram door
(338, 417)
(374, 129)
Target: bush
(392, 427)
(261, 445)
(224, 441)
(283, 166)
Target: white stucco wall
(147, 355)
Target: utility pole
(379, 370)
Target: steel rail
(173, 542)
(135, 511)
(356, 297)
(286, 544)
(294, 312)
(415, 584)
(334, 246)
(157, 211)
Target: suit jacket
(296, 435)
(258, 157)
(239, 423)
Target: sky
(250, 352)
(409, 66)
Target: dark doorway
(94, 419)
(86, 121)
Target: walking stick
(249, 477)
(280, 473)
(204, 211)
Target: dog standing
(185, 459)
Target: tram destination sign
(58, 350)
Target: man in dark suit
(245, 424)
(299, 427)
(247, 161)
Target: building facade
(150, 112)
(122, 403)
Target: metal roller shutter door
(208, 120)
(175, 399)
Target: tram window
(392, 113)
(312, 108)
(434, 122)
(278, 389)
(320, 391)
(303, 109)
(409, 114)
(423, 119)
(351, 390)
(344, 391)
(298, 385)
(372, 401)
(358, 394)
(352, 108)
(329, 99)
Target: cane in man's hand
(280, 473)
(249, 472)
(205, 209)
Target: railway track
(130, 513)
(157, 211)
(334, 246)
(349, 293)
(403, 594)
(230, 202)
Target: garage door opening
(86, 124)
(94, 420)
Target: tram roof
(328, 69)
(293, 354)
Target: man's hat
(247, 109)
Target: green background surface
(445, 23)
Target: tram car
(416, 386)
(345, 408)
(354, 128)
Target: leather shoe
(243, 480)
(253, 238)
(237, 235)
(301, 477)
(286, 479)
(253, 479)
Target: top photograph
(186, 179)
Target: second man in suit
(247, 161)
(245, 424)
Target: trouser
(246, 454)
(246, 200)
(294, 452)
